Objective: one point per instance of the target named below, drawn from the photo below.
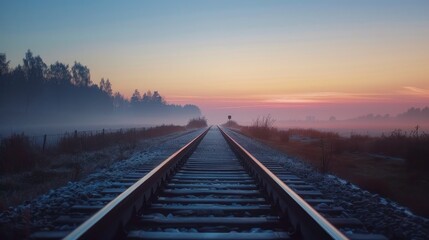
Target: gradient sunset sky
(290, 59)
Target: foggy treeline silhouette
(36, 93)
(414, 113)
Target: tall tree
(18, 74)
(4, 65)
(136, 98)
(81, 75)
(106, 86)
(34, 68)
(102, 84)
(119, 101)
(147, 96)
(157, 98)
(59, 73)
(34, 71)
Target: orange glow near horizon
(282, 74)
(297, 106)
(406, 94)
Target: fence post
(44, 143)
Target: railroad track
(212, 188)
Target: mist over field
(370, 124)
(344, 123)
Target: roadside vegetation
(28, 169)
(394, 165)
(197, 123)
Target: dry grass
(19, 187)
(390, 178)
(59, 168)
(363, 160)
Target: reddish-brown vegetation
(17, 153)
(393, 165)
(27, 170)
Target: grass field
(29, 172)
(361, 160)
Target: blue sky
(50, 27)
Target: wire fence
(21, 152)
(49, 141)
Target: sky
(290, 59)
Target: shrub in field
(197, 123)
(231, 124)
(16, 154)
(262, 127)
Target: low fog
(373, 124)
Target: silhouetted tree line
(412, 113)
(416, 113)
(34, 92)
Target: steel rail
(308, 223)
(110, 220)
